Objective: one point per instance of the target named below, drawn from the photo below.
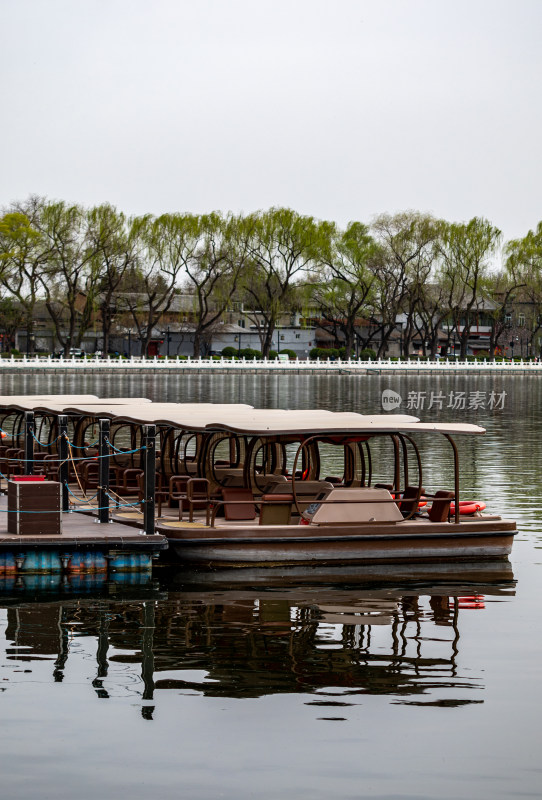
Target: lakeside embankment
(135, 364)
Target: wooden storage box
(43, 499)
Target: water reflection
(246, 635)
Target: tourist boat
(277, 505)
(239, 486)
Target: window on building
(521, 320)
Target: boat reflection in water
(248, 633)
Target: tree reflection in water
(238, 635)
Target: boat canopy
(151, 413)
(235, 418)
(244, 420)
(28, 402)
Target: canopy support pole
(63, 466)
(149, 477)
(103, 474)
(29, 427)
(456, 477)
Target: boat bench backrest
(440, 509)
(276, 509)
(243, 508)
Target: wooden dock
(84, 547)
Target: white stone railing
(300, 365)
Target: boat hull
(311, 545)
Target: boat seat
(230, 476)
(276, 509)
(408, 503)
(39, 457)
(125, 484)
(235, 510)
(177, 493)
(270, 480)
(161, 493)
(440, 508)
(126, 480)
(14, 463)
(198, 497)
(51, 467)
(89, 475)
(232, 482)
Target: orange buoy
(468, 507)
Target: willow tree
(403, 264)
(162, 246)
(69, 278)
(23, 255)
(467, 250)
(345, 279)
(217, 260)
(282, 246)
(501, 288)
(113, 246)
(524, 267)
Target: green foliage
(272, 355)
(249, 354)
(229, 352)
(367, 353)
(290, 353)
(323, 353)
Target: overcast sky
(338, 109)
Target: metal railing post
(103, 461)
(29, 443)
(149, 478)
(63, 468)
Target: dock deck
(83, 546)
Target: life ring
(468, 507)
(473, 601)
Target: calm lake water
(361, 683)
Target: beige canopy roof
(235, 417)
(153, 412)
(271, 422)
(266, 423)
(27, 402)
(58, 405)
